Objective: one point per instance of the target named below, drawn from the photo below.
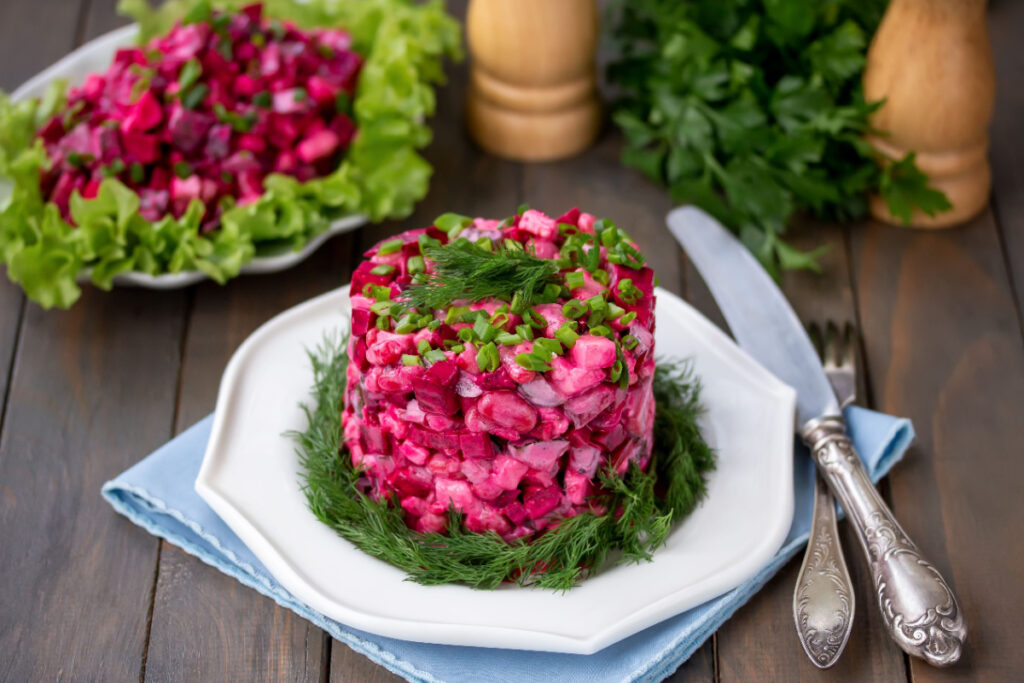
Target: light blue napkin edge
(672, 656)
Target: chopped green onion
(458, 348)
(435, 355)
(192, 98)
(182, 169)
(628, 318)
(574, 309)
(614, 311)
(484, 330)
(596, 303)
(415, 264)
(379, 292)
(381, 307)
(601, 275)
(534, 319)
(449, 222)
(524, 331)
(299, 94)
(466, 334)
(382, 269)
(422, 346)
(485, 243)
(343, 102)
(189, 74)
(391, 246)
(454, 314)
(629, 293)
(547, 348)
(518, 305)
(567, 335)
(434, 325)
(137, 172)
(406, 325)
(601, 331)
(262, 99)
(383, 323)
(575, 280)
(630, 342)
(506, 339)
(487, 358)
(531, 362)
(617, 369)
(408, 359)
(523, 208)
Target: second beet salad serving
(227, 132)
(499, 382)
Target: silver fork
(823, 601)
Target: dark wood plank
(33, 35)
(944, 348)
(760, 642)
(205, 625)
(88, 398)
(1006, 25)
(11, 302)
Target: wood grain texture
(88, 398)
(761, 641)
(205, 625)
(34, 35)
(1006, 25)
(944, 348)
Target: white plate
(250, 476)
(96, 56)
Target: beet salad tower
(500, 369)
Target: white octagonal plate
(95, 56)
(250, 476)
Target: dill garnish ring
(647, 502)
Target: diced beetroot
(508, 472)
(507, 409)
(541, 455)
(218, 142)
(516, 511)
(591, 351)
(360, 321)
(188, 128)
(141, 147)
(570, 217)
(485, 518)
(499, 379)
(454, 491)
(144, 115)
(318, 146)
(322, 90)
(435, 397)
(540, 503)
(476, 445)
(571, 380)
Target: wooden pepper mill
(932, 64)
(532, 90)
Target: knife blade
(918, 607)
(757, 312)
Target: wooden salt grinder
(532, 92)
(932, 64)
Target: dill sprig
(650, 502)
(464, 270)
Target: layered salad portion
(502, 370)
(205, 113)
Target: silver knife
(918, 607)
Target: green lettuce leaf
(382, 175)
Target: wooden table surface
(86, 595)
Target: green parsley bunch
(753, 110)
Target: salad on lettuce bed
(231, 129)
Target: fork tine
(850, 346)
(833, 344)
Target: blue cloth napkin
(157, 494)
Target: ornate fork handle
(917, 605)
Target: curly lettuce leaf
(382, 175)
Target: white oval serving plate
(251, 477)
(97, 55)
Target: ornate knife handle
(917, 605)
